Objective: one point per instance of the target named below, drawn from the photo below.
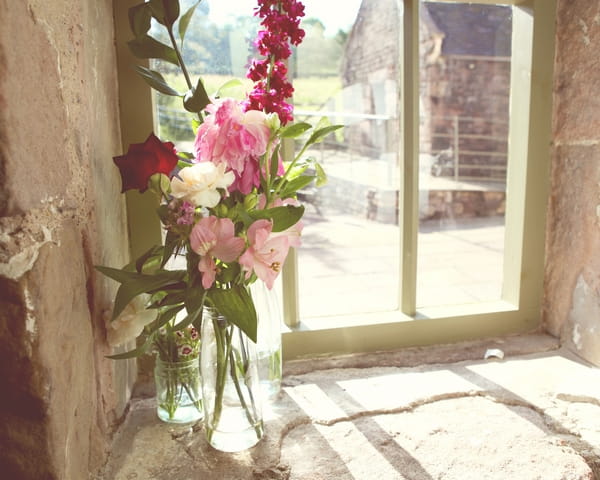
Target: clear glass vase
(270, 318)
(230, 385)
(178, 391)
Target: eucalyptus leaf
(147, 47)
(197, 99)
(184, 21)
(156, 81)
(237, 306)
(294, 130)
(139, 19)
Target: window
(431, 228)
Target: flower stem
(188, 81)
(221, 374)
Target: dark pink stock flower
(281, 22)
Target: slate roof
(480, 30)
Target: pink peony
(233, 137)
(266, 254)
(214, 237)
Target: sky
(335, 14)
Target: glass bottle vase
(270, 318)
(178, 391)
(230, 385)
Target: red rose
(144, 160)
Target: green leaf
(282, 217)
(194, 302)
(132, 353)
(273, 167)
(156, 81)
(197, 99)
(171, 242)
(146, 47)
(296, 184)
(165, 316)
(194, 298)
(147, 259)
(229, 272)
(184, 21)
(166, 12)
(133, 284)
(185, 156)
(294, 130)
(230, 85)
(139, 19)
(321, 175)
(173, 298)
(237, 306)
(319, 135)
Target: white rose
(130, 323)
(198, 184)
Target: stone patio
(442, 412)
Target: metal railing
(453, 141)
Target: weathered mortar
(60, 214)
(572, 281)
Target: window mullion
(409, 194)
(291, 310)
(531, 86)
(137, 122)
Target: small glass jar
(178, 391)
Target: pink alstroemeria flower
(266, 254)
(214, 237)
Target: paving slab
(535, 414)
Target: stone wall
(60, 214)
(572, 281)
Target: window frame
(527, 182)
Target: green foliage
(236, 305)
(156, 81)
(134, 284)
(147, 47)
(185, 20)
(197, 99)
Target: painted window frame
(527, 183)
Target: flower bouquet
(229, 209)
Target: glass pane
(465, 84)
(347, 70)
(217, 46)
